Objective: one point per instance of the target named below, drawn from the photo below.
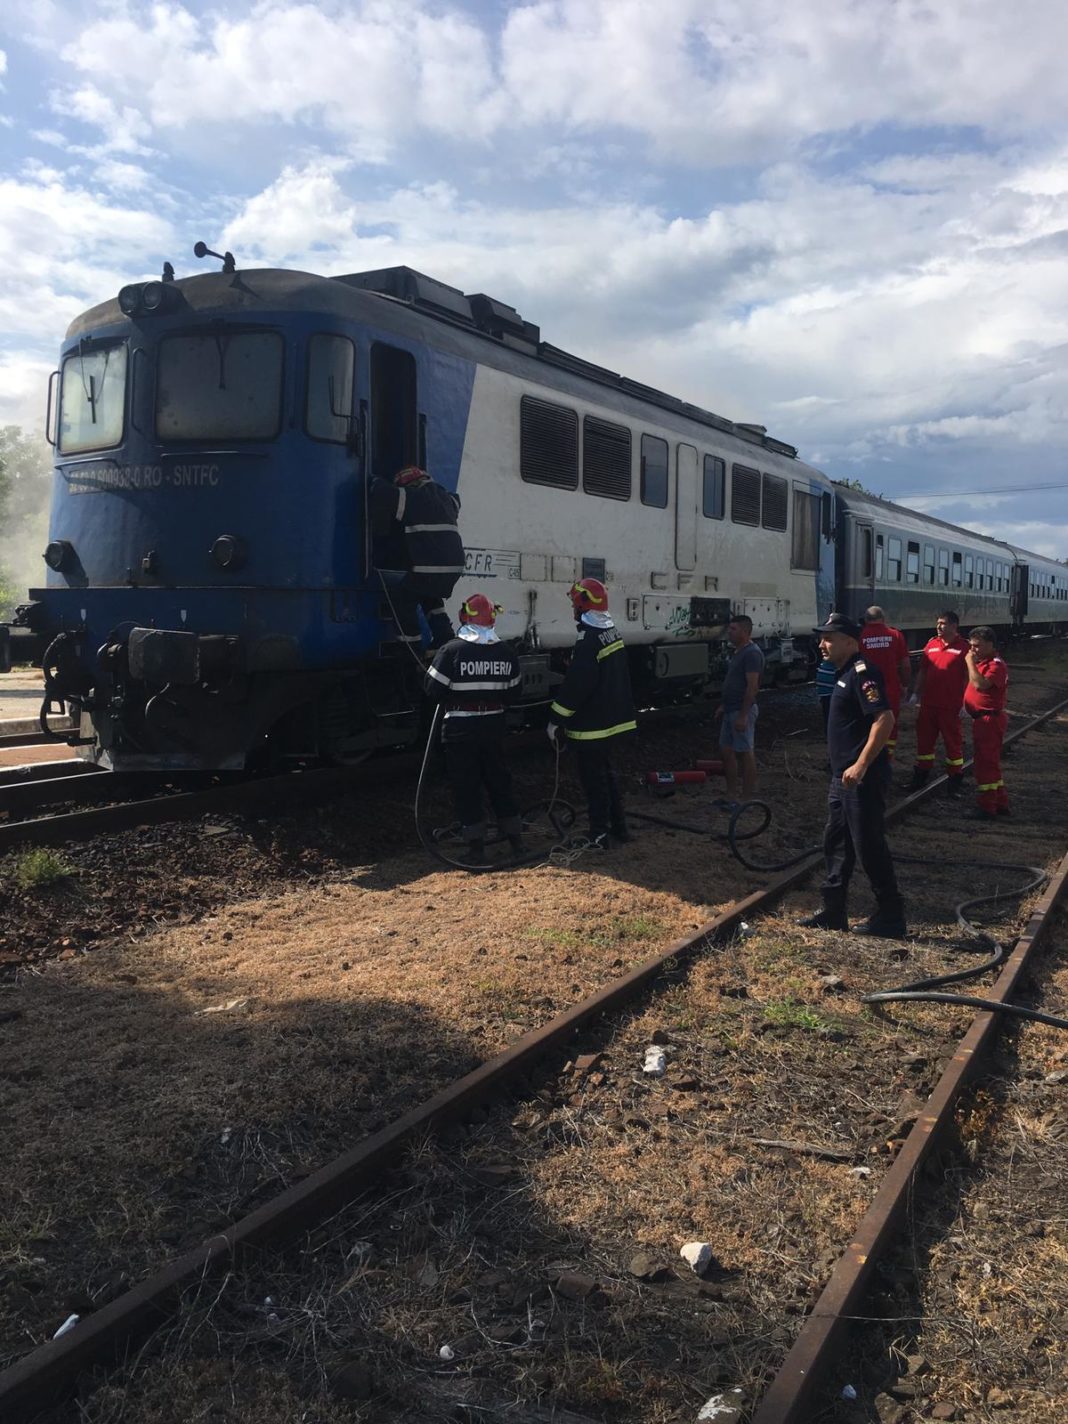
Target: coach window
(958, 576)
(990, 574)
(654, 476)
(714, 488)
(893, 561)
(865, 553)
(969, 571)
(92, 406)
(880, 558)
(548, 444)
(328, 399)
(943, 568)
(912, 563)
(745, 495)
(928, 565)
(805, 548)
(605, 458)
(776, 508)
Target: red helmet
(410, 475)
(589, 595)
(480, 610)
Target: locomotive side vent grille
(745, 495)
(775, 502)
(548, 444)
(605, 458)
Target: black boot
(888, 921)
(518, 848)
(831, 917)
(476, 852)
(955, 786)
(920, 776)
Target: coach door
(686, 508)
(1021, 573)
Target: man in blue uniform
(860, 722)
(594, 707)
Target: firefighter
(940, 684)
(984, 702)
(417, 518)
(594, 708)
(885, 648)
(475, 675)
(859, 725)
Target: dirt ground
(236, 1002)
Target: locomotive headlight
(152, 296)
(60, 555)
(130, 298)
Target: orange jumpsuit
(945, 678)
(986, 707)
(886, 648)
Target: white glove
(552, 731)
(914, 699)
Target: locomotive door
(686, 508)
(397, 438)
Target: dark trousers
(474, 758)
(603, 800)
(428, 592)
(855, 830)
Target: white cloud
(704, 83)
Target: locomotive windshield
(93, 400)
(219, 385)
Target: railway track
(52, 1370)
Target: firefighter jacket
(945, 673)
(885, 648)
(988, 701)
(594, 700)
(426, 514)
(475, 676)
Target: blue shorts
(738, 741)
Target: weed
(38, 868)
(788, 1013)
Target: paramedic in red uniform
(885, 648)
(984, 702)
(940, 685)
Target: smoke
(25, 490)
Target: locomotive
(215, 597)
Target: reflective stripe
(437, 568)
(612, 648)
(401, 503)
(989, 785)
(409, 637)
(605, 732)
(953, 761)
(499, 686)
(925, 757)
(428, 528)
(561, 710)
(497, 712)
(439, 677)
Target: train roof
(494, 325)
(851, 496)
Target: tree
(25, 489)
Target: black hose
(559, 813)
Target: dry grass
(350, 1001)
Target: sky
(846, 220)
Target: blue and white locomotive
(214, 596)
(213, 593)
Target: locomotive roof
(893, 511)
(472, 325)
